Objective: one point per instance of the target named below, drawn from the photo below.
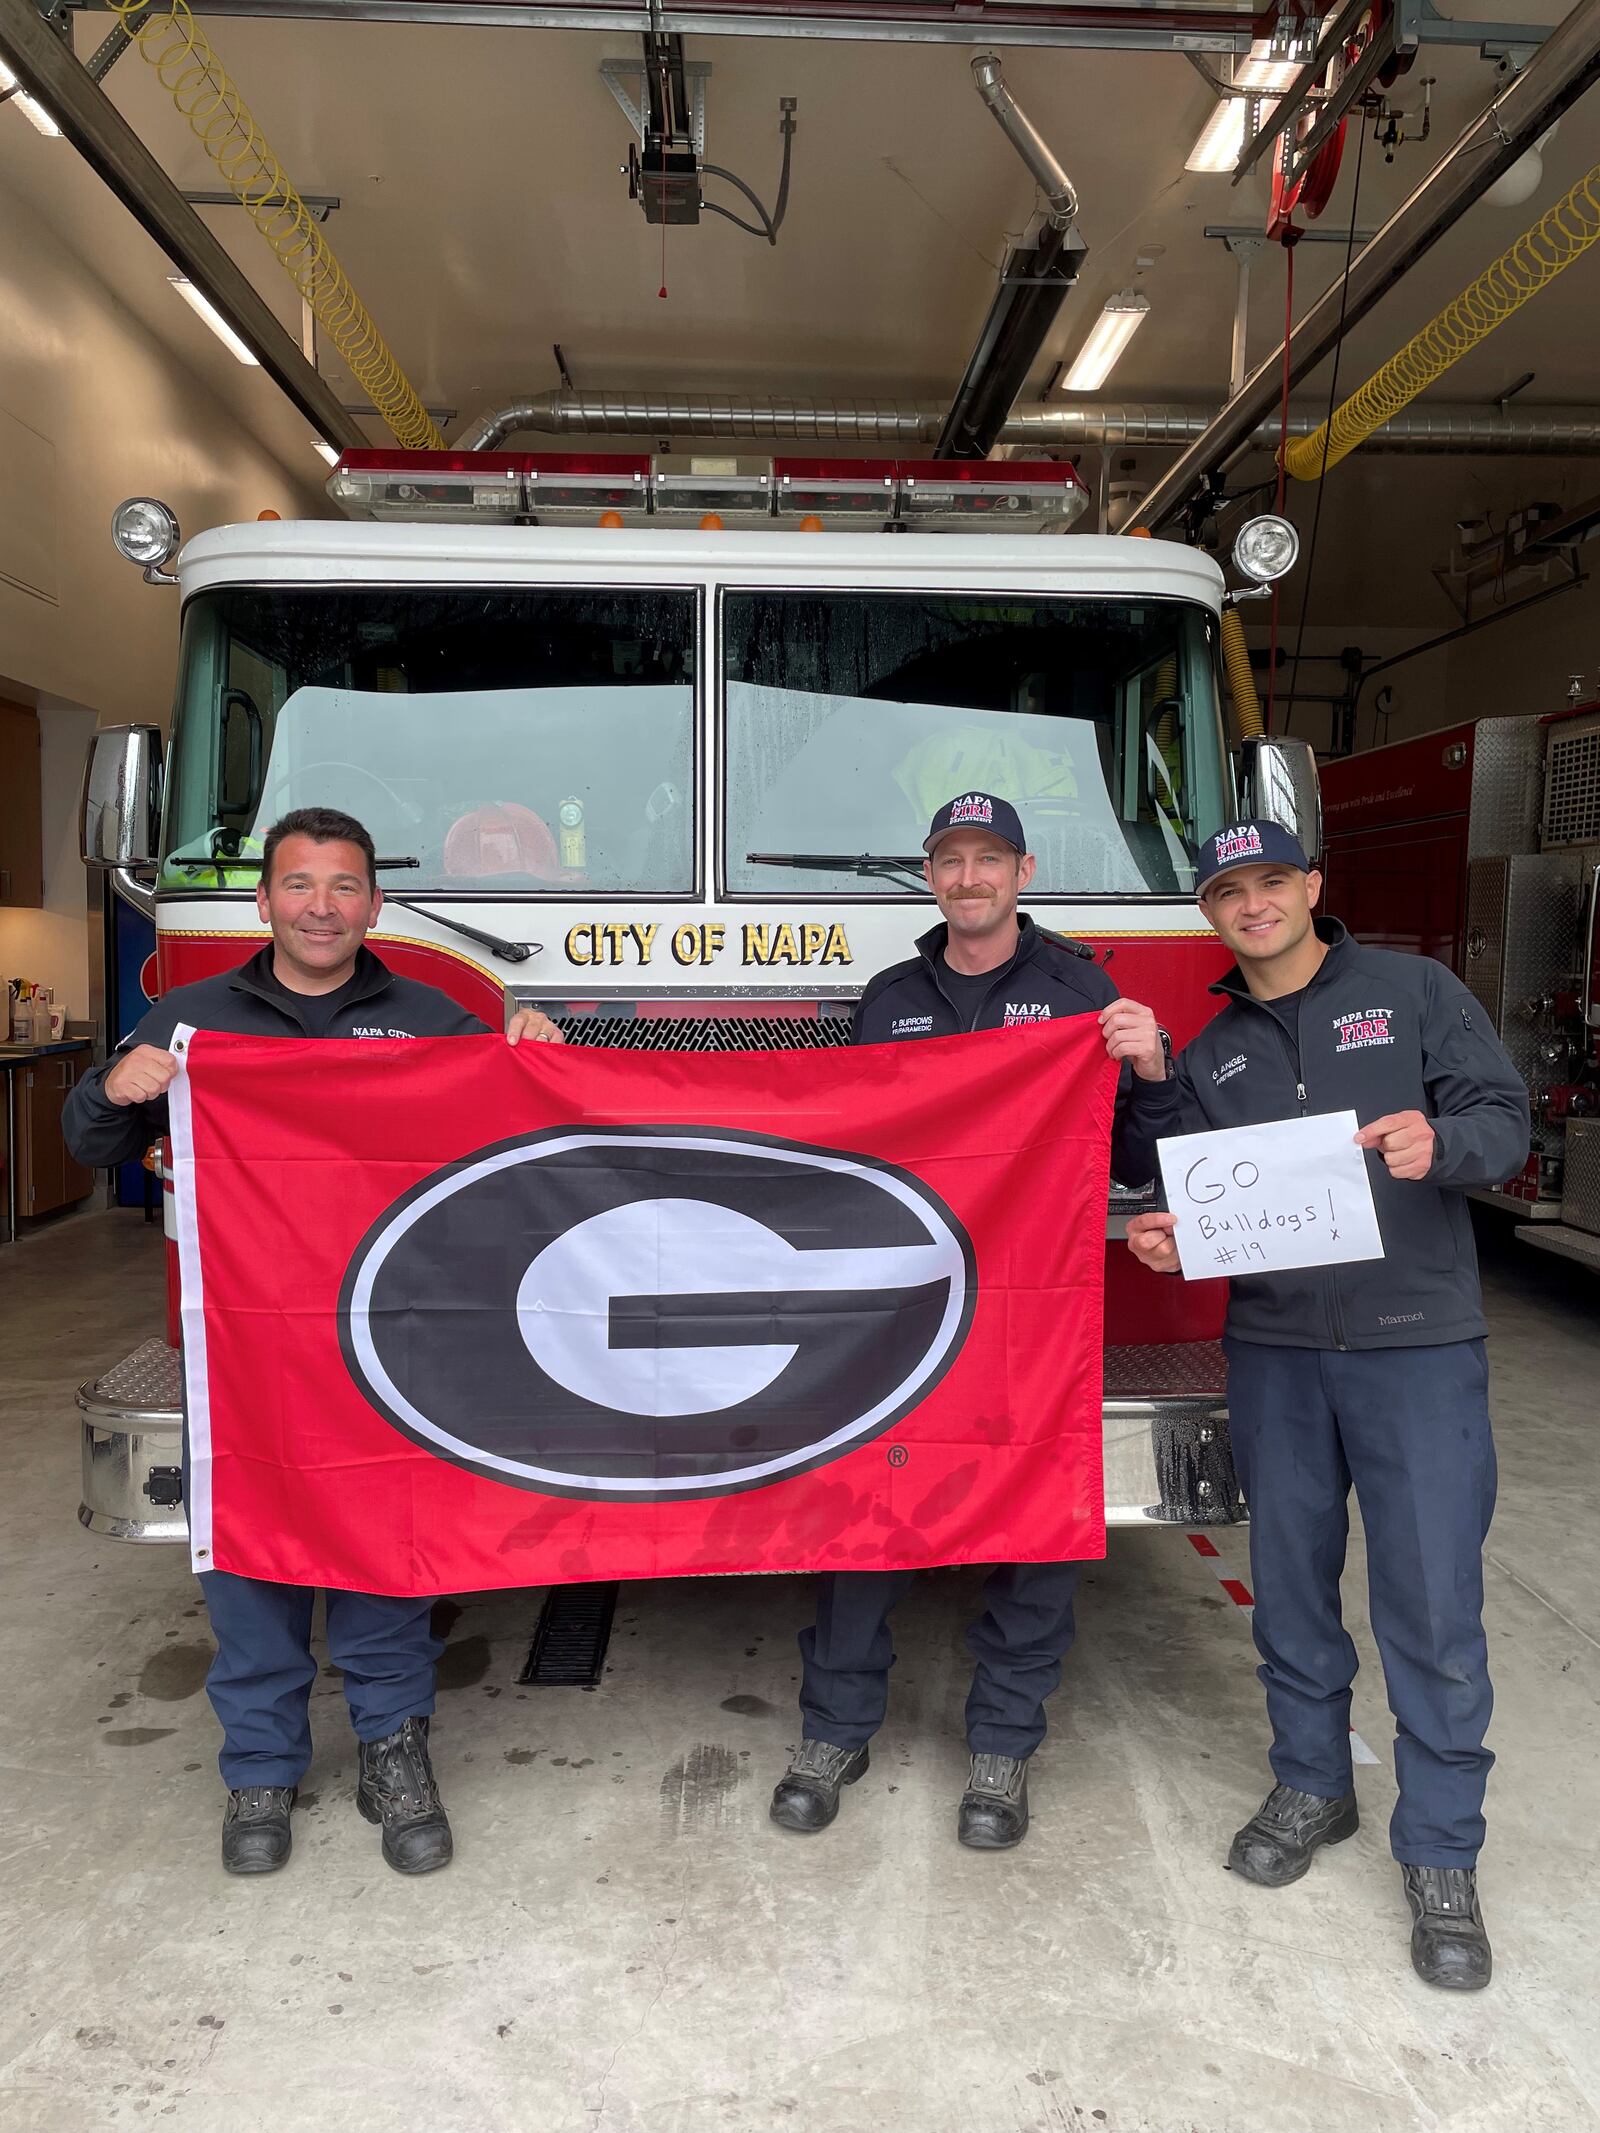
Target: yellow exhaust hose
(192, 75)
(1241, 682)
(1561, 235)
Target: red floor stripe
(1200, 1545)
(1238, 1592)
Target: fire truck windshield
(851, 717)
(527, 742)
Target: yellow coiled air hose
(1241, 682)
(1561, 235)
(175, 45)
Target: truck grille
(1572, 786)
(708, 1033)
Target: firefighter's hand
(1405, 1141)
(1131, 1032)
(538, 1029)
(140, 1076)
(1152, 1243)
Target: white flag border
(192, 1314)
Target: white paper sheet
(1258, 1199)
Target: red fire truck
(654, 750)
(1480, 844)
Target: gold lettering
(715, 936)
(613, 934)
(757, 944)
(686, 945)
(811, 940)
(785, 948)
(645, 937)
(580, 938)
(838, 948)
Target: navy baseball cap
(1248, 844)
(980, 811)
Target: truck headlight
(145, 531)
(1267, 548)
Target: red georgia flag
(458, 1315)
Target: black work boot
(994, 1808)
(807, 1795)
(396, 1788)
(256, 1837)
(1448, 1944)
(1275, 1845)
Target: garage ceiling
(483, 219)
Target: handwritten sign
(1259, 1199)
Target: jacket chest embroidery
(1361, 1032)
(1229, 1067)
(1025, 1011)
(911, 1026)
(364, 1031)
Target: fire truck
(654, 749)
(1480, 844)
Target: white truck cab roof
(320, 551)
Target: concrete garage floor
(625, 1945)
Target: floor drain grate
(570, 1638)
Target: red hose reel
(1310, 190)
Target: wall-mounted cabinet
(21, 818)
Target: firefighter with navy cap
(988, 966)
(1371, 1373)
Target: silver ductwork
(698, 414)
(1061, 199)
(803, 419)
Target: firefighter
(1370, 1373)
(988, 966)
(318, 892)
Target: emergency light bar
(580, 485)
(855, 488)
(1012, 494)
(475, 488)
(680, 495)
(539, 488)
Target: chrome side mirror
(122, 797)
(1280, 785)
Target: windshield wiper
(508, 951)
(883, 864)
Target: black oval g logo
(645, 1313)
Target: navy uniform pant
(1025, 1632)
(1409, 1428)
(260, 1681)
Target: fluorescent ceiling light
(328, 452)
(1259, 70)
(203, 307)
(1110, 334)
(1221, 141)
(30, 107)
